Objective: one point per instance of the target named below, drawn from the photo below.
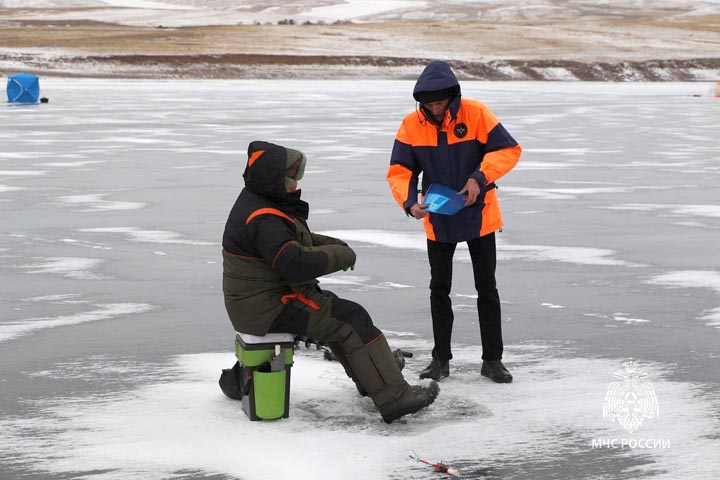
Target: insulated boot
(495, 371)
(376, 369)
(336, 353)
(398, 353)
(415, 398)
(436, 370)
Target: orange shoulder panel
(478, 118)
(269, 211)
(417, 132)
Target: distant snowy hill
(228, 12)
(598, 40)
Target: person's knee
(441, 280)
(356, 317)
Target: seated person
(271, 261)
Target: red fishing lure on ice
(439, 467)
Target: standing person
(271, 261)
(460, 144)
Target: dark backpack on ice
(231, 382)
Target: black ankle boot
(436, 370)
(495, 371)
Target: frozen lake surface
(113, 333)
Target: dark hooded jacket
(270, 257)
(469, 142)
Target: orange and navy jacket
(470, 142)
(271, 259)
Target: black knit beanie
(435, 96)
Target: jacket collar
(453, 109)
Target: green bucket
(267, 373)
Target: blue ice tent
(23, 88)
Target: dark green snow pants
(359, 345)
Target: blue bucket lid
(443, 200)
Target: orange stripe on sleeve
(498, 163)
(269, 211)
(280, 251)
(398, 177)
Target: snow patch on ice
(363, 282)
(572, 193)
(22, 173)
(84, 244)
(82, 163)
(712, 211)
(708, 279)
(13, 329)
(712, 317)
(462, 295)
(551, 305)
(399, 240)
(539, 253)
(574, 255)
(624, 317)
(70, 267)
(535, 165)
(689, 279)
(51, 298)
(97, 203)
(147, 236)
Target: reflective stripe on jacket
(271, 259)
(470, 143)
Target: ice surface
(113, 199)
(181, 423)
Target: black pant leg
(440, 256)
(484, 260)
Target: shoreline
(258, 66)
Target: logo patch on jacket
(461, 130)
